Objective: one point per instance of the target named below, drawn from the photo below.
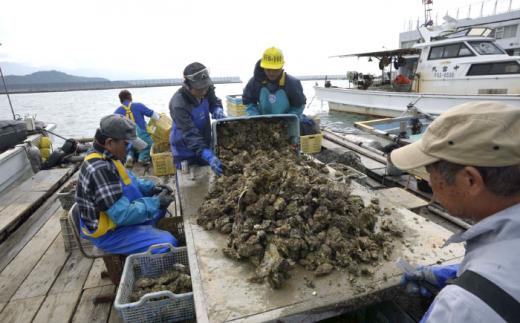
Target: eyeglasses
(129, 145)
(199, 76)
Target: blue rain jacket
(191, 125)
(138, 110)
(282, 96)
(135, 217)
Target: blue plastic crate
(235, 99)
(292, 120)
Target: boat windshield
(476, 31)
(486, 48)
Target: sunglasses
(199, 76)
(129, 145)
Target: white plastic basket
(151, 308)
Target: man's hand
(213, 161)
(164, 200)
(218, 113)
(428, 280)
(157, 189)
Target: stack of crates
(160, 152)
(311, 144)
(235, 107)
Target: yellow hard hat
(272, 59)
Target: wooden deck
(39, 281)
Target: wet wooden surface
(19, 201)
(39, 281)
(221, 287)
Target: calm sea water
(77, 113)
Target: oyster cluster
(281, 209)
(178, 281)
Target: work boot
(129, 162)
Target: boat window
(450, 51)
(457, 34)
(465, 51)
(476, 31)
(436, 52)
(499, 68)
(486, 48)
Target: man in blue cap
(190, 109)
(118, 212)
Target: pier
(107, 85)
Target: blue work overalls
(180, 150)
(131, 239)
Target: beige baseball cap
(482, 134)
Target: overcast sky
(157, 39)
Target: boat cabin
(464, 62)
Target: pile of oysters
(280, 208)
(178, 281)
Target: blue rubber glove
(428, 279)
(305, 119)
(218, 113)
(252, 109)
(213, 161)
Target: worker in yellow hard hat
(272, 91)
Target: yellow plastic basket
(311, 144)
(162, 161)
(161, 128)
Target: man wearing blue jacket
(272, 91)
(190, 109)
(118, 212)
(136, 111)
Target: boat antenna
(427, 12)
(7, 92)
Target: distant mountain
(9, 68)
(50, 77)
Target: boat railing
(476, 10)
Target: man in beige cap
(472, 153)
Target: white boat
(14, 162)
(453, 67)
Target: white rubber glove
(155, 116)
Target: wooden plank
(88, 312)
(15, 242)
(58, 308)
(400, 197)
(42, 181)
(73, 275)
(114, 316)
(22, 310)
(21, 200)
(15, 273)
(41, 278)
(94, 277)
(14, 211)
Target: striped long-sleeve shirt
(98, 187)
